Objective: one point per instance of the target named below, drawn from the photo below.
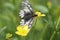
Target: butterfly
(27, 14)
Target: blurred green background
(45, 28)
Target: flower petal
(23, 31)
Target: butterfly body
(28, 16)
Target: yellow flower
(22, 30)
(49, 4)
(8, 35)
(39, 14)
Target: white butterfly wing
(26, 9)
(30, 22)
